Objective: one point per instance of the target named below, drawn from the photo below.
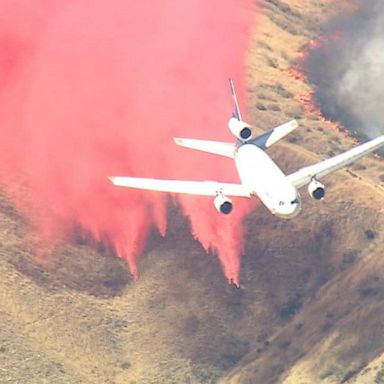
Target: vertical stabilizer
(237, 112)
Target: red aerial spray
(91, 89)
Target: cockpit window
(296, 201)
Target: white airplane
(259, 174)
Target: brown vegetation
(309, 306)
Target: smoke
(346, 67)
(90, 89)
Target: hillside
(308, 308)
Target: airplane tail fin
(214, 147)
(237, 112)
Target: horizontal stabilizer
(273, 135)
(204, 188)
(215, 147)
(325, 167)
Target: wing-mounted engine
(240, 129)
(316, 190)
(223, 204)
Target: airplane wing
(215, 147)
(204, 188)
(325, 167)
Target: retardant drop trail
(89, 89)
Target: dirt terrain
(309, 306)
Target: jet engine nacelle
(223, 204)
(240, 129)
(316, 190)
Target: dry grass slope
(308, 310)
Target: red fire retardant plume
(91, 89)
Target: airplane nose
(295, 209)
(288, 211)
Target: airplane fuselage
(263, 178)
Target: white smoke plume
(346, 69)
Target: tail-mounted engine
(240, 129)
(316, 190)
(223, 204)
